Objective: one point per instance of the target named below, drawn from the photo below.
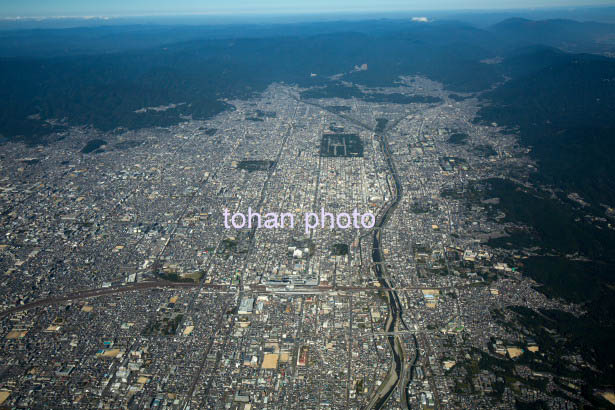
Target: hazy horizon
(36, 9)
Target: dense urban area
(122, 287)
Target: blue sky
(12, 8)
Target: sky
(112, 8)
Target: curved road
(395, 309)
(395, 317)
